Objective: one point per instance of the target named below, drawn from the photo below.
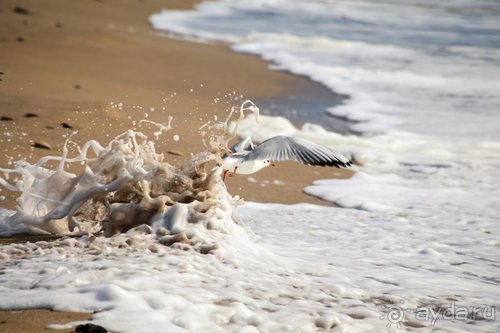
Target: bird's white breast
(230, 163)
(237, 164)
(250, 167)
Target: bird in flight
(247, 158)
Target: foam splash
(123, 185)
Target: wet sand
(62, 65)
(36, 320)
(68, 68)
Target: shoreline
(117, 57)
(410, 229)
(62, 68)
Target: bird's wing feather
(244, 144)
(241, 146)
(283, 148)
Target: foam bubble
(123, 185)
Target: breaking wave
(125, 184)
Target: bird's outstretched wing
(283, 148)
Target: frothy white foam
(419, 219)
(123, 185)
(159, 277)
(425, 61)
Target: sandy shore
(66, 62)
(62, 64)
(31, 321)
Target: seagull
(246, 158)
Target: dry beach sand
(66, 62)
(63, 63)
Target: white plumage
(247, 158)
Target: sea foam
(123, 185)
